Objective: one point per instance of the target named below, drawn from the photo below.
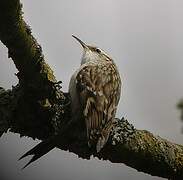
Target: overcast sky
(146, 41)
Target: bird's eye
(98, 50)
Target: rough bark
(37, 108)
(38, 94)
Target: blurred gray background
(145, 38)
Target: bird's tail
(47, 145)
(39, 150)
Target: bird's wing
(99, 90)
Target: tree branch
(34, 74)
(37, 108)
(37, 84)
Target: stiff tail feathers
(38, 151)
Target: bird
(95, 90)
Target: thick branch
(145, 152)
(37, 84)
(139, 149)
(34, 74)
(136, 148)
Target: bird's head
(92, 53)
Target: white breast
(89, 56)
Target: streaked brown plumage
(95, 89)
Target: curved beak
(81, 42)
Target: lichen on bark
(38, 92)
